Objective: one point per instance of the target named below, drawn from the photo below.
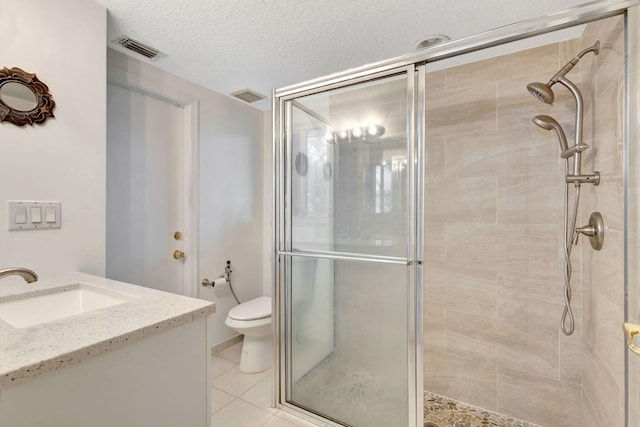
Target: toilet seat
(258, 308)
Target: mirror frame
(45, 102)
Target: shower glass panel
(349, 169)
(350, 368)
(347, 280)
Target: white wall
(267, 202)
(63, 42)
(230, 185)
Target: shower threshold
(440, 411)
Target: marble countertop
(32, 351)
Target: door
(145, 190)
(347, 276)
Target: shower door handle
(631, 330)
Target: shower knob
(595, 230)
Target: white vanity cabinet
(141, 363)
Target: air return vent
(139, 48)
(247, 95)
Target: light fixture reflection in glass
(375, 130)
(330, 137)
(365, 133)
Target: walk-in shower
(544, 93)
(419, 271)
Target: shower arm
(576, 177)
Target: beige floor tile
(260, 395)
(219, 399)
(240, 414)
(235, 382)
(219, 366)
(276, 421)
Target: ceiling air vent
(247, 95)
(139, 48)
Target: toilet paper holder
(206, 282)
(226, 276)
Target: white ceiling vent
(247, 95)
(139, 48)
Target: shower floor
(360, 398)
(351, 395)
(440, 411)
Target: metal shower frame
(414, 63)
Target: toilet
(253, 320)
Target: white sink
(36, 308)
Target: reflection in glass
(353, 198)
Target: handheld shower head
(541, 91)
(549, 123)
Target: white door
(145, 190)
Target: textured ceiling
(229, 45)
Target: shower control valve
(595, 231)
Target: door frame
(632, 210)
(191, 140)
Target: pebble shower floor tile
(440, 411)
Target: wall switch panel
(34, 215)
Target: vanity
(80, 350)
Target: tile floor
(244, 400)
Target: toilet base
(256, 354)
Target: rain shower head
(549, 123)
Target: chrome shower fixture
(544, 92)
(573, 150)
(549, 123)
(595, 229)
(541, 91)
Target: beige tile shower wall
(494, 215)
(603, 271)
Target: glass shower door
(347, 280)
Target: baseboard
(226, 344)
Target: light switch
(20, 214)
(36, 215)
(50, 215)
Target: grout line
(226, 404)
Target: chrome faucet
(28, 275)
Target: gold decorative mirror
(23, 98)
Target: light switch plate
(39, 224)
